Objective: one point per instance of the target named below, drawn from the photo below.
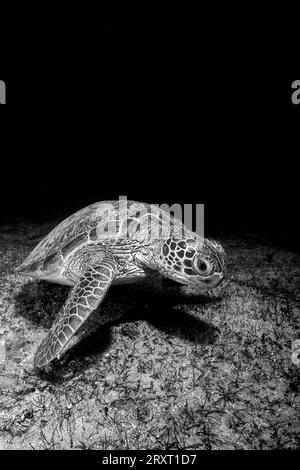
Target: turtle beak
(214, 281)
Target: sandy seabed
(172, 369)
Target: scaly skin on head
(190, 261)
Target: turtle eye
(202, 266)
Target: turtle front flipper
(85, 297)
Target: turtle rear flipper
(85, 297)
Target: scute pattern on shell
(81, 226)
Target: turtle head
(192, 261)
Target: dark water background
(153, 113)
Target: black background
(158, 114)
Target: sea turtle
(111, 243)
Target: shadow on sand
(165, 307)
